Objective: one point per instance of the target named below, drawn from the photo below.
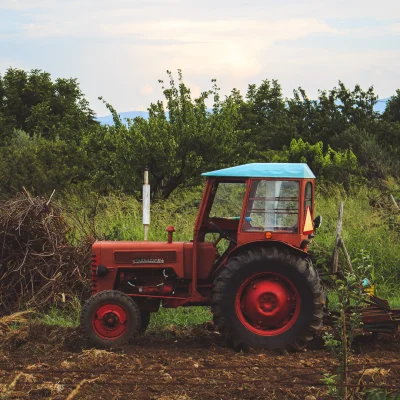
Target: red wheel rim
(267, 304)
(110, 321)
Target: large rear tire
(110, 318)
(268, 298)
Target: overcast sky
(119, 49)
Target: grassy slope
(364, 229)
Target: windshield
(273, 206)
(228, 200)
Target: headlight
(101, 271)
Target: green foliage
(364, 228)
(183, 139)
(331, 382)
(347, 321)
(264, 117)
(332, 113)
(381, 394)
(39, 164)
(340, 167)
(181, 317)
(338, 134)
(66, 315)
(392, 111)
(32, 102)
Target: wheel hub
(110, 321)
(267, 304)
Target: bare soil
(55, 363)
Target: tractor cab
(258, 203)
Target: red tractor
(255, 272)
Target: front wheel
(268, 298)
(110, 318)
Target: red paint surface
(109, 321)
(267, 304)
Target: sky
(119, 49)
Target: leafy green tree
(32, 102)
(40, 165)
(180, 139)
(392, 110)
(339, 167)
(264, 116)
(332, 113)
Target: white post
(146, 204)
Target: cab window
(273, 206)
(228, 200)
(308, 197)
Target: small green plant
(331, 382)
(348, 320)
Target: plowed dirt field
(54, 363)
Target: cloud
(219, 46)
(380, 31)
(147, 89)
(114, 47)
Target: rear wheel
(268, 298)
(110, 318)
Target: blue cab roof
(265, 170)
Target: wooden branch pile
(38, 264)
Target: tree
(40, 165)
(180, 139)
(264, 116)
(339, 167)
(32, 102)
(332, 113)
(392, 110)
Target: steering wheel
(223, 233)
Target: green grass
(120, 217)
(183, 317)
(394, 301)
(364, 229)
(65, 315)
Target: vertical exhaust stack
(146, 204)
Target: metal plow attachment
(377, 316)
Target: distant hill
(108, 120)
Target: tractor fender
(269, 243)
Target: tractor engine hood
(176, 255)
(143, 253)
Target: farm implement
(379, 317)
(248, 260)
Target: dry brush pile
(39, 265)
